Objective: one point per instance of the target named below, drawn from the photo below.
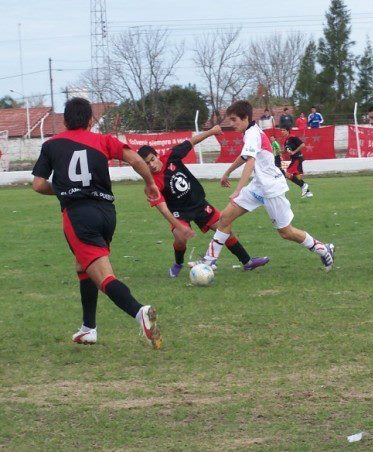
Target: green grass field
(276, 359)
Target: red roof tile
(14, 120)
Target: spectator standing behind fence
(315, 118)
(301, 122)
(266, 120)
(286, 119)
(370, 115)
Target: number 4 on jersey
(84, 176)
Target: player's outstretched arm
(184, 231)
(224, 181)
(138, 164)
(42, 186)
(216, 130)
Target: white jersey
(268, 181)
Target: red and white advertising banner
(319, 143)
(365, 139)
(231, 143)
(161, 142)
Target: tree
(219, 60)
(364, 89)
(274, 62)
(306, 85)
(335, 58)
(9, 102)
(176, 111)
(142, 65)
(36, 100)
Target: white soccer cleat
(85, 337)
(309, 195)
(328, 258)
(147, 317)
(304, 190)
(211, 264)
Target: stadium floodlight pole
(197, 131)
(27, 111)
(357, 132)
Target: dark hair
(144, 151)
(242, 109)
(77, 114)
(313, 107)
(286, 109)
(288, 128)
(370, 109)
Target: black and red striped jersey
(292, 143)
(79, 162)
(179, 188)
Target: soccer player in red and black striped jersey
(78, 159)
(183, 200)
(293, 146)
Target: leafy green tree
(335, 58)
(169, 109)
(305, 93)
(9, 102)
(364, 89)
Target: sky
(60, 30)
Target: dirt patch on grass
(131, 394)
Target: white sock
(314, 245)
(216, 245)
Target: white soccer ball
(201, 275)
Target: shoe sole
(257, 266)
(156, 337)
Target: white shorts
(278, 208)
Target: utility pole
(52, 98)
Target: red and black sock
(120, 294)
(237, 249)
(88, 295)
(179, 253)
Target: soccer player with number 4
(267, 188)
(78, 159)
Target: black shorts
(89, 228)
(204, 216)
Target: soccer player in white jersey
(267, 188)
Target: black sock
(88, 294)
(297, 181)
(179, 255)
(121, 295)
(238, 250)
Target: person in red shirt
(183, 200)
(301, 122)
